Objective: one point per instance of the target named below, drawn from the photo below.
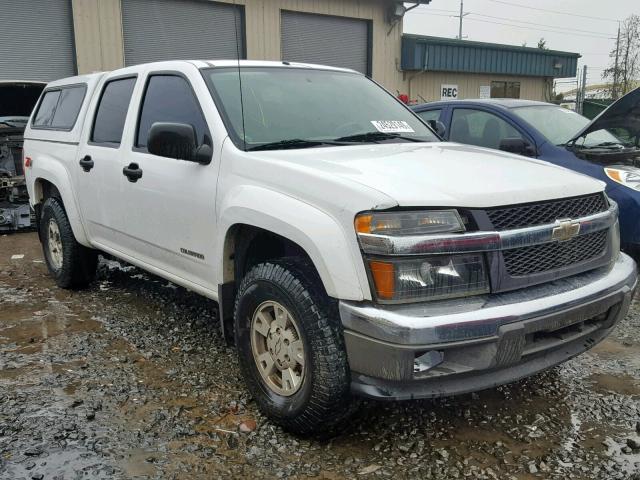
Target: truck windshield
(300, 108)
(559, 125)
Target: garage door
(336, 41)
(36, 40)
(157, 30)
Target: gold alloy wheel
(54, 243)
(277, 348)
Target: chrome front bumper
(456, 346)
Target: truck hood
(442, 174)
(624, 113)
(17, 98)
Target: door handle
(133, 172)
(86, 163)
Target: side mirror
(177, 140)
(517, 145)
(438, 127)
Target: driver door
(169, 211)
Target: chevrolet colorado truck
(350, 250)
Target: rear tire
(71, 265)
(314, 395)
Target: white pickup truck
(351, 251)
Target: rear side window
(68, 108)
(44, 115)
(59, 108)
(169, 98)
(111, 114)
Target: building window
(505, 89)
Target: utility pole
(461, 16)
(583, 95)
(614, 90)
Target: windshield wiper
(293, 143)
(617, 145)
(375, 137)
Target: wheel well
(45, 189)
(254, 245)
(246, 246)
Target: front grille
(520, 216)
(551, 256)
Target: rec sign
(448, 92)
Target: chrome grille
(519, 216)
(551, 256)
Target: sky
(587, 27)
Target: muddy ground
(131, 379)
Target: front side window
(505, 89)
(112, 111)
(477, 127)
(169, 98)
(298, 108)
(429, 115)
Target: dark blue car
(607, 148)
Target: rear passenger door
(170, 210)
(98, 170)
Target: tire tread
(330, 402)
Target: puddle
(139, 463)
(622, 384)
(17, 372)
(37, 330)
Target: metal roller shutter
(326, 40)
(157, 30)
(37, 40)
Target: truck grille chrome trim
(483, 241)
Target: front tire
(70, 264)
(290, 347)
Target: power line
(539, 24)
(560, 30)
(436, 10)
(538, 29)
(571, 14)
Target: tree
(624, 77)
(542, 44)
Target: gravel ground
(131, 379)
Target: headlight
(428, 278)
(398, 279)
(409, 223)
(627, 176)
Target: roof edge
(495, 46)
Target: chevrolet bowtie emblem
(566, 230)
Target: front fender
(336, 258)
(57, 175)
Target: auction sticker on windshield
(392, 126)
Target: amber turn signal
(363, 223)
(383, 279)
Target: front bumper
(457, 346)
